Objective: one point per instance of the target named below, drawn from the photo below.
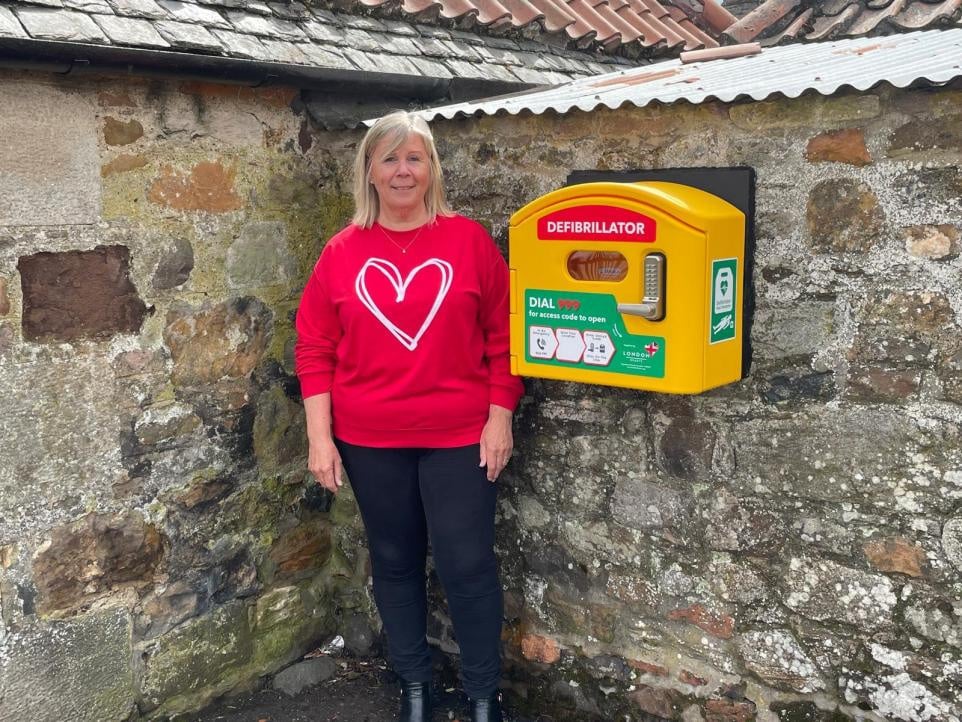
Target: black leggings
(407, 496)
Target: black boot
(487, 710)
(415, 702)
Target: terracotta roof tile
(831, 26)
(694, 38)
(522, 12)
(652, 19)
(491, 11)
(626, 32)
(604, 31)
(813, 20)
(653, 24)
(871, 17)
(556, 15)
(760, 19)
(649, 35)
(921, 15)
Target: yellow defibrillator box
(638, 285)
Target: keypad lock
(652, 306)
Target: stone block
(631, 588)
(207, 186)
(795, 385)
(729, 710)
(260, 257)
(174, 266)
(933, 616)
(4, 297)
(123, 164)
(717, 625)
(896, 554)
(879, 385)
(691, 679)
(50, 174)
(359, 637)
(779, 661)
(844, 216)
(826, 591)
(812, 111)
(543, 650)
(215, 343)
(927, 134)
(935, 191)
(952, 541)
(803, 328)
(196, 658)
(686, 448)
(733, 524)
(806, 712)
(935, 242)
(78, 669)
(79, 294)
(280, 433)
(651, 506)
(950, 374)
(648, 667)
(119, 132)
(309, 673)
(166, 425)
(95, 556)
(663, 703)
(301, 550)
(898, 696)
(166, 607)
(840, 146)
(812, 458)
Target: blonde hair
(396, 126)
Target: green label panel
(585, 331)
(724, 297)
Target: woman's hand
(324, 462)
(496, 441)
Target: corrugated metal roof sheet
(790, 70)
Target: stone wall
(787, 546)
(160, 543)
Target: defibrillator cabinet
(639, 285)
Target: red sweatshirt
(412, 346)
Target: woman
(402, 355)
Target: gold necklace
(403, 249)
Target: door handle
(645, 310)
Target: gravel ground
(361, 691)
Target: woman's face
(401, 176)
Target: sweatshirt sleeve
(318, 333)
(504, 389)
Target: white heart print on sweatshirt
(393, 275)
